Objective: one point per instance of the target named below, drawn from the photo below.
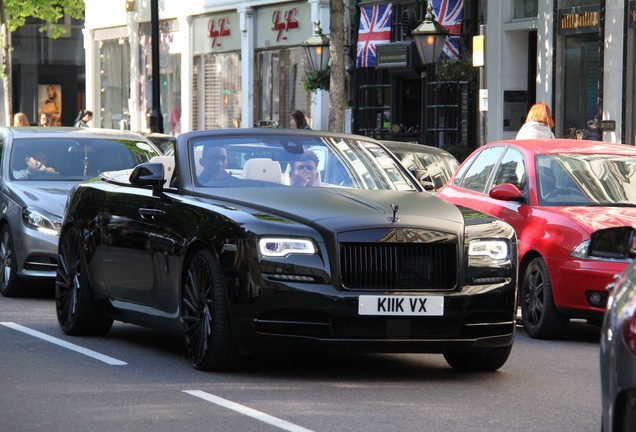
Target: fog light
(596, 298)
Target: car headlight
(41, 221)
(281, 246)
(581, 250)
(494, 249)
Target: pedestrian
(297, 120)
(20, 119)
(538, 123)
(83, 118)
(45, 120)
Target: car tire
(8, 264)
(478, 361)
(205, 316)
(77, 313)
(539, 315)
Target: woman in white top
(538, 123)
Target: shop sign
(581, 19)
(283, 24)
(632, 14)
(396, 55)
(216, 33)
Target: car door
(127, 229)
(494, 165)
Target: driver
(214, 161)
(35, 163)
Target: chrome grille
(398, 266)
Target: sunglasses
(307, 167)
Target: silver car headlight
(494, 249)
(581, 250)
(282, 246)
(41, 221)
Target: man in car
(304, 170)
(214, 161)
(34, 163)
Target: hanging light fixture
(317, 49)
(429, 38)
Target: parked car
(164, 142)
(432, 166)
(618, 336)
(554, 193)
(242, 261)
(39, 167)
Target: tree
(337, 91)
(13, 15)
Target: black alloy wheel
(77, 313)
(204, 311)
(539, 315)
(8, 264)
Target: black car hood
(49, 196)
(342, 209)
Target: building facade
(223, 64)
(576, 55)
(241, 64)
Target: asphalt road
(140, 380)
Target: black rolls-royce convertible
(251, 239)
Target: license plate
(401, 305)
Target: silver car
(618, 337)
(39, 167)
(432, 166)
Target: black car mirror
(148, 174)
(616, 243)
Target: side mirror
(614, 243)
(148, 174)
(506, 192)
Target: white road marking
(242, 409)
(97, 356)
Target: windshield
(586, 179)
(74, 159)
(294, 161)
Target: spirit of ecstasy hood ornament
(395, 208)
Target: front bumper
(576, 280)
(479, 317)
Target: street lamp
(429, 38)
(317, 49)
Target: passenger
(304, 170)
(214, 162)
(35, 163)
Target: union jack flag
(450, 13)
(375, 28)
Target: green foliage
(314, 81)
(50, 12)
(456, 70)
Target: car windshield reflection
(586, 179)
(66, 159)
(305, 161)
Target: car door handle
(149, 213)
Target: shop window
(524, 9)
(581, 87)
(169, 76)
(114, 83)
(217, 91)
(279, 87)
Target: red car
(554, 193)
